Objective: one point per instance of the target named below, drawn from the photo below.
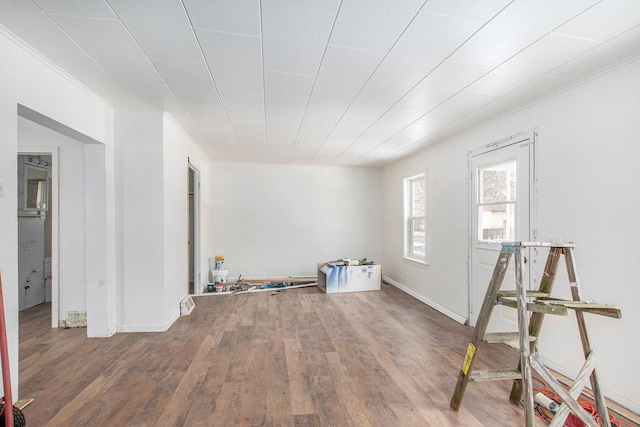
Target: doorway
(193, 238)
(34, 230)
(501, 189)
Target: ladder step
(498, 337)
(539, 306)
(495, 375)
(530, 294)
(590, 307)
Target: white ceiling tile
(77, 8)
(162, 32)
(190, 82)
(611, 52)
(376, 134)
(213, 121)
(543, 56)
(157, 97)
(427, 42)
(400, 116)
(619, 15)
(323, 114)
(295, 34)
(244, 107)
(375, 99)
(518, 26)
(411, 134)
(445, 81)
(287, 92)
(81, 67)
(466, 9)
(279, 155)
(24, 19)
(350, 128)
(228, 16)
(283, 123)
(235, 60)
(372, 25)
(344, 72)
(251, 136)
(121, 56)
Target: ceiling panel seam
(213, 82)
(315, 79)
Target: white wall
(274, 220)
(587, 193)
(29, 81)
(179, 151)
(140, 208)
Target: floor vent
(187, 305)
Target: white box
(334, 279)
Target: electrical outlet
(1, 189)
(405, 276)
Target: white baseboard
(141, 328)
(455, 316)
(150, 328)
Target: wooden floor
(297, 358)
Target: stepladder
(532, 306)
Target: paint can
(219, 287)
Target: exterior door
(500, 211)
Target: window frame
(410, 219)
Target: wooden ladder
(529, 330)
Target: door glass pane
(496, 222)
(497, 201)
(498, 183)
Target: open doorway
(193, 240)
(34, 230)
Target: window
(497, 202)
(415, 209)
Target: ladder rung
(539, 306)
(530, 294)
(590, 307)
(495, 375)
(547, 245)
(498, 337)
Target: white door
(500, 211)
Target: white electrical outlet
(1, 189)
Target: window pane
(497, 222)
(417, 197)
(418, 236)
(498, 183)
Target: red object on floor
(4, 357)
(573, 421)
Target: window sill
(419, 263)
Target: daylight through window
(415, 213)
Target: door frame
(55, 229)
(532, 136)
(197, 288)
